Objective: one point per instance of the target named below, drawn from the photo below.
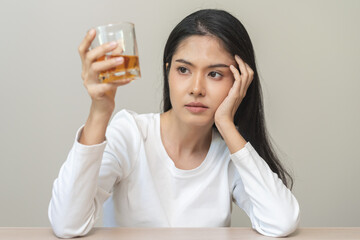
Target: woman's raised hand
(102, 94)
(227, 109)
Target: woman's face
(199, 79)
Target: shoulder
(128, 123)
(125, 135)
(130, 115)
(125, 138)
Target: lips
(196, 107)
(196, 104)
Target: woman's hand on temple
(227, 109)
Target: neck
(184, 138)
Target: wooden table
(182, 233)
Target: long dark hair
(249, 117)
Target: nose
(197, 87)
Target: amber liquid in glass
(129, 69)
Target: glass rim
(115, 23)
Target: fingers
(246, 76)
(89, 57)
(105, 87)
(91, 74)
(102, 66)
(121, 82)
(85, 44)
(99, 51)
(93, 68)
(237, 84)
(97, 91)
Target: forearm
(73, 209)
(279, 214)
(95, 127)
(272, 208)
(231, 136)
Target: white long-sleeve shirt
(147, 190)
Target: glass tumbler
(124, 34)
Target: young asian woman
(185, 166)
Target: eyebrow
(210, 66)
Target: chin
(199, 121)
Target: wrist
(224, 123)
(93, 131)
(231, 136)
(99, 113)
(95, 127)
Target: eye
(182, 70)
(215, 75)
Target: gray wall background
(308, 57)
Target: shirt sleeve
(270, 205)
(87, 177)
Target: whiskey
(129, 69)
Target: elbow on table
(285, 229)
(61, 230)
(64, 228)
(70, 224)
(284, 225)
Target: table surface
(182, 233)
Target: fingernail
(119, 59)
(236, 56)
(112, 44)
(91, 31)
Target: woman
(183, 167)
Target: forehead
(196, 48)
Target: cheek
(174, 89)
(221, 91)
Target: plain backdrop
(308, 57)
